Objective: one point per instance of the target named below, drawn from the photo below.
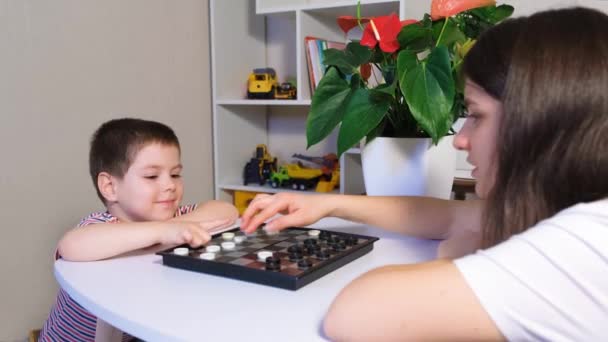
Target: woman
(537, 134)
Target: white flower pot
(409, 166)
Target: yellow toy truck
(299, 178)
(262, 84)
(330, 167)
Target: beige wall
(65, 67)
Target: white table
(139, 295)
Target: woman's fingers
(253, 207)
(282, 222)
(252, 217)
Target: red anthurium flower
(408, 22)
(347, 22)
(383, 30)
(447, 8)
(366, 71)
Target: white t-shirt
(549, 283)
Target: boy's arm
(105, 240)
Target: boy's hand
(194, 234)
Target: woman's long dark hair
(550, 71)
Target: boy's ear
(106, 186)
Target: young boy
(135, 166)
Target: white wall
(65, 67)
(526, 7)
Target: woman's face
(478, 135)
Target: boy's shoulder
(184, 209)
(106, 217)
(97, 217)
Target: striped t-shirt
(68, 320)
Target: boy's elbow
(70, 248)
(222, 209)
(66, 249)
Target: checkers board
(289, 259)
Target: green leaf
(328, 106)
(406, 61)
(473, 22)
(349, 59)
(376, 132)
(384, 90)
(429, 92)
(416, 37)
(378, 56)
(356, 82)
(447, 32)
(493, 14)
(363, 114)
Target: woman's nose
(461, 140)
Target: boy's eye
(176, 176)
(150, 177)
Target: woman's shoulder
(584, 219)
(542, 280)
(596, 209)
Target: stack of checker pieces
(292, 258)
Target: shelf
(464, 174)
(271, 33)
(246, 102)
(268, 189)
(279, 6)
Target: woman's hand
(298, 210)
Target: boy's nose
(170, 184)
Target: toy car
(285, 91)
(262, 84)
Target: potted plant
(401, 79)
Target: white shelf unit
(248, 34)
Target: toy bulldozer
(259, 168)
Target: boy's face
(152, 187)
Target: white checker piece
(181, 251)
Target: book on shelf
(314, 58)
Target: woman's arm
(428, 301)
(422, 217)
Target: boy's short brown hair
(115, 144)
